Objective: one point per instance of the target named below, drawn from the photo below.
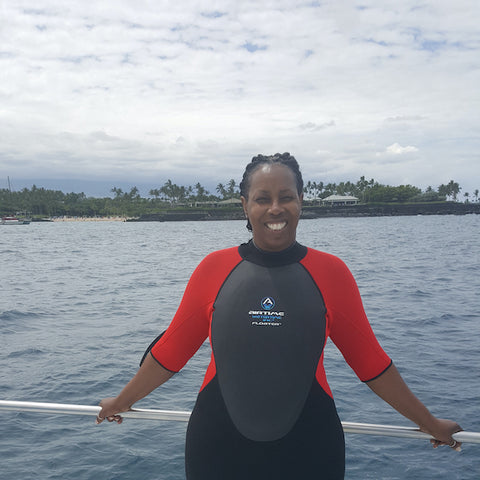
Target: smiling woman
(265, 409)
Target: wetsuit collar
(250, 252)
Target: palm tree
(454, 189)
(117, 191)
(231, 188)
(319, 188)
(154, 192)
(330, 188)
(134, 194)
(221, 190)
(201, 192)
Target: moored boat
(14, 220)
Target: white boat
(13, 220)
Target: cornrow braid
(280, 159)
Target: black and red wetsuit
(265, 410)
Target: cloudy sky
(144, 91)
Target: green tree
(173, 193)
(133, 195)
(386, 194)
(117, 191)
(232, 189)
(221, 190)
(363, 189)
(330, 189)
(452, 189)
(155, 192)
(201, 194)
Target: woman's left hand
(110, 411)
(442, 431)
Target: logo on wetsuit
(268, 303)
(266, 317)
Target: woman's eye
(262, 200)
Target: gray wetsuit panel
(268, 333)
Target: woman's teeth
(276, 226)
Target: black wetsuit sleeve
(149, 348)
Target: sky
(135, 92)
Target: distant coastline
(83, 219)
(89, 219)
(311, 212)
(308, 212)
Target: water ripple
(73, 330)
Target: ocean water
(79, 303)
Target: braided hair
(278, 159)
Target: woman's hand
(442, 431)
(391, 387)
(150, 376)
(110, 410)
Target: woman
(265, 409)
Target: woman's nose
(275, 207)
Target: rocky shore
(369, 210)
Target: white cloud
(113, 85)
(396, 149)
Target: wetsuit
(265, 409)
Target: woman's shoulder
(328, 270)
(230, 252)
(219, 258)
(320, 255)
(320, 259)
(214, 268)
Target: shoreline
(312, 212)
(308, 212)
(87, 219)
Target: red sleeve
(191, 324)
(347, 323)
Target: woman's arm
(149, 376)
(391, 388)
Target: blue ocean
(80, 302)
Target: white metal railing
(182, 416)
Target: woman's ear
(244, 205)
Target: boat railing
(183, 416)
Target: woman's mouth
(277, 226)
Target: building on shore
(336, 200)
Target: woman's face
(273, 207)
